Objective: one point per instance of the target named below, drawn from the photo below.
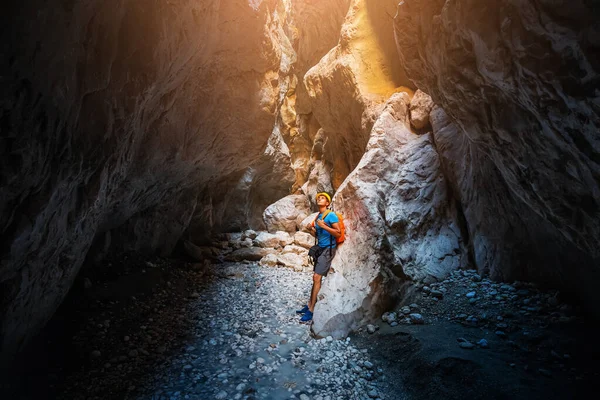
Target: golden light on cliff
(379, 69)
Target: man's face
(322, 201)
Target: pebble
(416, 319)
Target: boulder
(291, 260)
(420, 107)
(265, 239)
(234, 236)
(308, 220)
(246, 242)
(304, 239)
(284, 238)
(249, 234)
(400, 221)
(282, 215)
(319, 180)
(250, 254)
(270, 260)
(295, 250)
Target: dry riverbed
(169, 329)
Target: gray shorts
(323, 263)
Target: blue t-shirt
(325, 239)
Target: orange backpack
(342, 237)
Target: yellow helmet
(323, 194)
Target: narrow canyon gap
(455, 136)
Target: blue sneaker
(303, 311)
(307, 317)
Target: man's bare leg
(316, 286)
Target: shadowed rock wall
(518, 134)
(114, 116)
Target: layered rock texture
(125, 125)
(138, 126)
(401, 225)
(343, 94)
(517, 131)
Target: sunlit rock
(284, 238)
(265, 239)
(295, 249)
(400, 223)
(319, 180)
(345, 91)
(270, 260)
(304, 239)
(308, 220)
(420, 107)
(314, 31)
(292, 260)
(282, 215)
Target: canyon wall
(517, 86)
(120, 120)
(133, 125)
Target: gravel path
(226, 332)
(165, 329)
(249, 345)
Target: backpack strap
(314, 223)
(330, 235)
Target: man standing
(326, 229)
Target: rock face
(518, 133)
(315, 31)
(401, 222)
(342, 95)
(122, 124)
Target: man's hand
(322, 223)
